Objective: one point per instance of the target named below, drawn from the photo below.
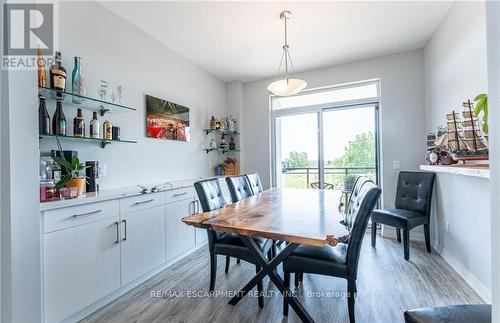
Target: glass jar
(48, 191)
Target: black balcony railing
(302, 177)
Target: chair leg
(351, 290)
(274, 249)
(427, 233)
(374, 233)
(213, 270)
(228, 261)
(297, 280)
(398, 234)
(406, 243)
(260, 288)
(287, 284)
(238, 261)
(301, 277)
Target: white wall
(121, 54)
(455, 70)
(401, 107)
(118, 52)
(493, 39)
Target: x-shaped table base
(269, 269)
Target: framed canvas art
(166, 120)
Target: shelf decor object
(224, 151)
(222, 132)
(87, 102)
(286, 86)
(104, 142)
(166, 120)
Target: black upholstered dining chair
(239, 187)
(412, 208)
(212, 198)
(255, 183)
(341, 260)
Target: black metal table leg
(269, 269)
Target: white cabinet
(180, 237)
(81, 265)
(142, 242)
(201, 236)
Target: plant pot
(79, 183)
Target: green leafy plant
(75, 169)
(482, 106)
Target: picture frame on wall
(166, 120)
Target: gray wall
(114, 50)
(455, 70)
(401, 107)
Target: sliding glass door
(326, 145)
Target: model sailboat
(463, 137)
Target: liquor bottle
(212, 123)
(78, 82)
(42, 79)
(232, 144)
(107, 129)
(59, 120)
(95, 127)
(223, 143)
(43, 118)
(58, 74)
(79, 124)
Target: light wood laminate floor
(387, 286)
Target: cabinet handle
(142, 202)
(117, 233)
(197, 203)
(180, 194)
(125, 235)
(191, 212)
(86, 213)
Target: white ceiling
(242, 40)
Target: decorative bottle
(223, 143)
(95, 127)
(232, 144)
(43, 118)
(42, 79)
(107, 128)
(57, 74)
(79, 125)
(212, 123)
(59, 120)
(78, 81)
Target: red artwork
(166, 120)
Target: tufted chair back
(414, 191)
(349, 213)
(211, 198)
(361, 208)
(210, 194)
(239, 187)
(255, 184)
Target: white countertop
(111, 194)
(474, 170)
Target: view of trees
(360, 152)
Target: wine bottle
(95, 127)
(59, 120)
(57, 74)
(78, 82)
(79, 124)
(43, 118)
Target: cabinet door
(200, 234)
(142, 242)
(81, 265)
(180, 236)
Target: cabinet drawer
(76, 215)
(141, 202)
(180, 194)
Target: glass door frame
(319, 109)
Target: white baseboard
(482, 290)
(391, 233)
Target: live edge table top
(303, 216)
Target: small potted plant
(75, 176)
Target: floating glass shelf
(225, 132)
(84, 102)
(103, 142)
(221, 150)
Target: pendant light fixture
(286, 86)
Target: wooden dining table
(297, 216)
